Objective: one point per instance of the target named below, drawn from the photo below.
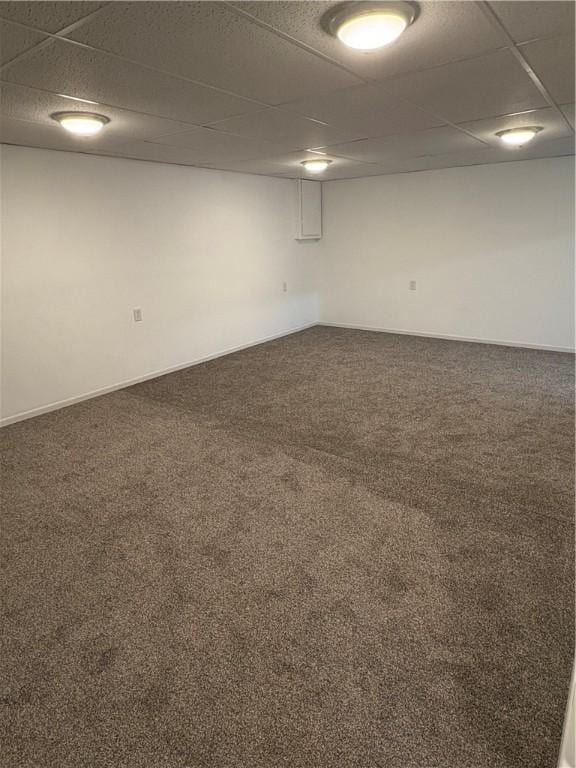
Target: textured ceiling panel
(207, 42)
(22, 103)
(340, 170)
(76, 71)
(553, 62)
(568, 110)
(432, 142)
(25, 133)
(50, 17)
(469, 90)
(288, 129)
(14, 40)
(270, 83)
(556, 148)
(365, 111)
(160, 153)
(290, 165)
(430, 162)
(560, 147)
(22, 132)
(554, 126)
(210, 145)
(345, 168)
(444, 31)
(530, 20)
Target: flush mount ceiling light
(517, 137)
(367, 26)
(316, 166)
(81, 123)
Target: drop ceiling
(257, 87)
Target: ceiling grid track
(488, 11)
(435, 118)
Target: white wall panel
(85, 240)
(491, 249)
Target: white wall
(491, 249)
(205, 253)
(86, 239)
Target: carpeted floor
(340, 549)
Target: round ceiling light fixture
(81, 123)
(367, 26)
(518, 137)
(316, 166)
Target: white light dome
(368, 26)
(518, 137)
(316, 166)
(81, 123)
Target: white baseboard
(568, 749)
(221, 353)
(153, 375)
(471, 339)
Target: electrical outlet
(137, 313)
(284, 287)
(412, 285)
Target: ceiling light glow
(369, 31)
(518, 137)
(367, 26)
(81, 123)
(316, 166)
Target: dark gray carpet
(336, 550)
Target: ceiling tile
(364, 111)
(207, 42)
(48, 16)
(469, 90)
(342, 168)
(64, 67)
(530, 20)
(21, 103)
(15, 40)
(257, 167)
(290, 165)
(568, 110)
(553, 62)
(287, 129)
(160, 153)
(32, 134)
(559, 147)
(427, 162)
(210, 145)
(548, 119)
(29, 134)
(390, 148)
(353, 170)
(554, 148)
(396, 124)
(443, 32)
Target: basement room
(287, 384)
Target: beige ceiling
(255, 86)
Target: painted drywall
(491, 249)
(86, 239)
(205, 254)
